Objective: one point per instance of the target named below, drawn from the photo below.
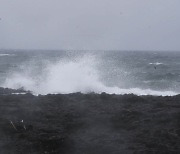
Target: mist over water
(58, 77)
(69, 72)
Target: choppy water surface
(43, 72)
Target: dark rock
(88, 123)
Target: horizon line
(126, 50)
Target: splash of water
(78, 75)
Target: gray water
(42, 72)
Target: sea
(113, 72)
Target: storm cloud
(90, 24)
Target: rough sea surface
(119, 72)
(71, 102)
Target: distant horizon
(120, 50)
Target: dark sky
(90, 24)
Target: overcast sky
(90, 24)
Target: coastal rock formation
(88, 123)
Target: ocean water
(118, 72)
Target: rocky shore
(88, 124)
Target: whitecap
(157, 63)
(78, 75)
(1, 55)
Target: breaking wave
(1, 55)
(157, 63)
(67, 76)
